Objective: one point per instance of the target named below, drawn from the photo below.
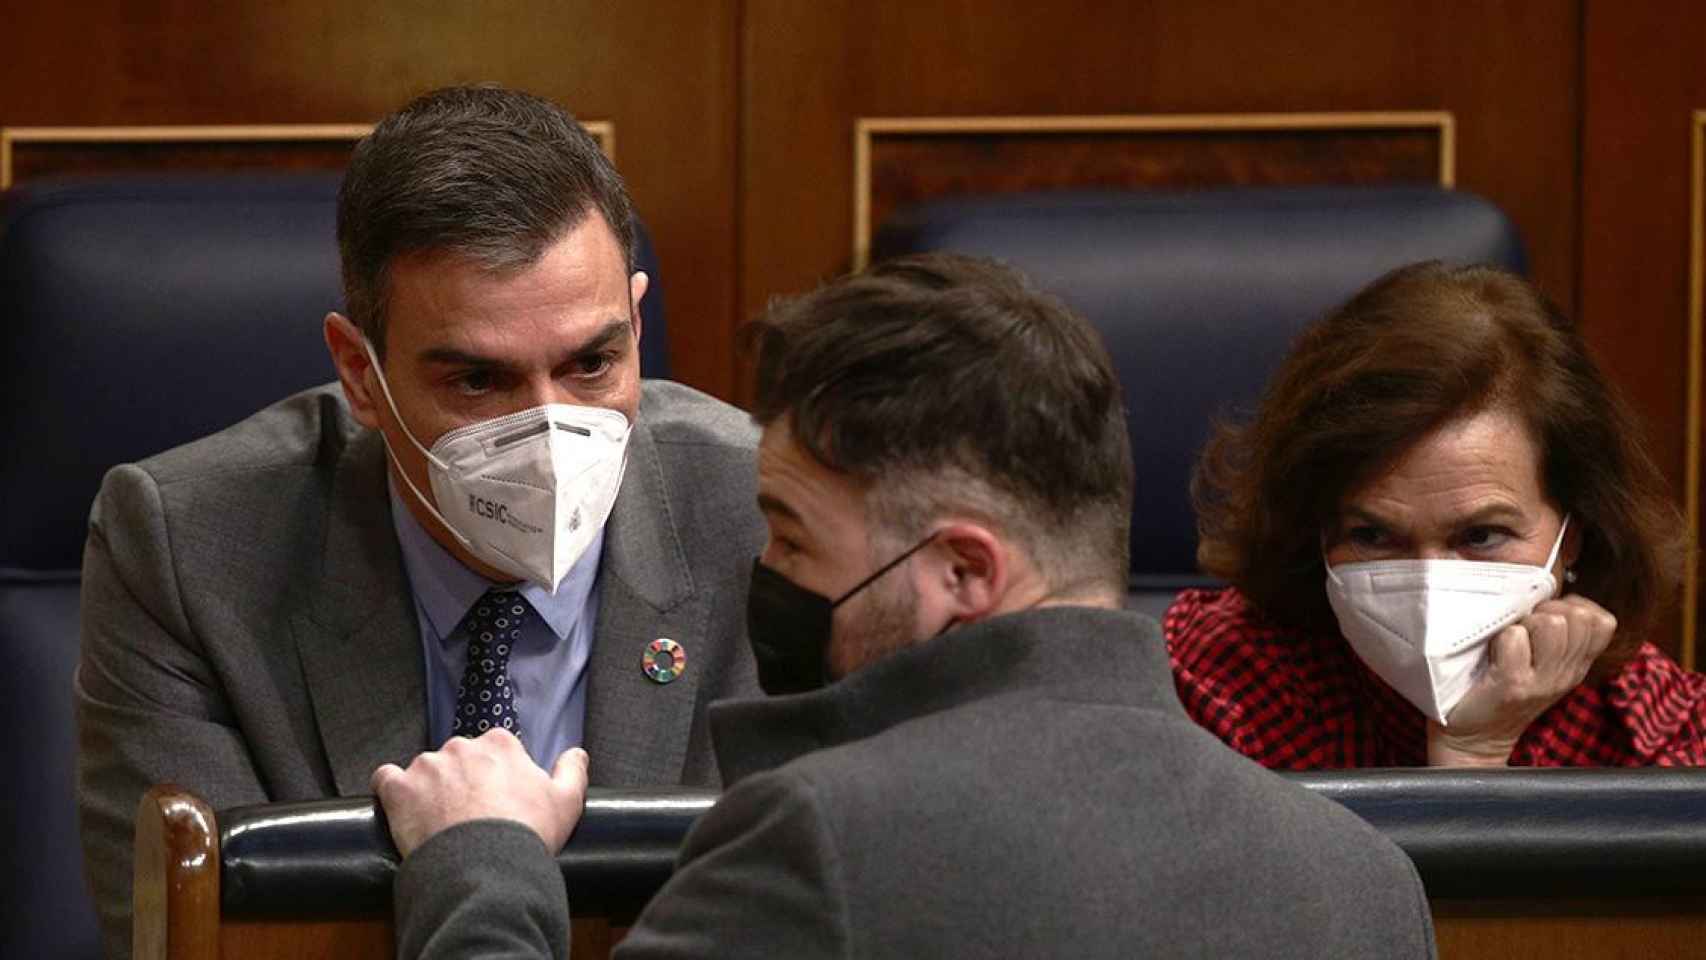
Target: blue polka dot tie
(485, 698)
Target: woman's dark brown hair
(1421, 346)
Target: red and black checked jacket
(1296, 702)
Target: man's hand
(1532, 664)
(491, 777)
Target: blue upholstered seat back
(143, 314)
(1198, 295)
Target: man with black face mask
(969, 749)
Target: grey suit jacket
(1027, 786)
(248, 630)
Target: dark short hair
(950, 383)
(1421, 346)
(491, 174)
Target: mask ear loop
(1557, 545)
(385, 388)
(1330, 574)
(885, 568)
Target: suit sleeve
(150, 708)
(487, 889)
(758, 876)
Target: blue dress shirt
(547, 668)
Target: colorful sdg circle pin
(664, 660)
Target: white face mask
(1423, 625)
(525, 493)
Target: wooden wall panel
(662, 71)
(1508, 72)
(1627, 929)
(898, 162)
(735, 118)
(1644, 77)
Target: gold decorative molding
(601, 130)
(10, 137)
(1696, 342)
(867, 129)
(604, 131)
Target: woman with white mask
(1445, 544)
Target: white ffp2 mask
(528, 492)
(1423, 625)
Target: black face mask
(789, 626)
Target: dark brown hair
(1421, 346)
(492, 174)
(948, 382)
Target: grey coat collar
(1112, 656)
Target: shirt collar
(445, 589)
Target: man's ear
(974, 569)
(638, 284)
(349, 355)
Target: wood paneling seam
(1692, 417)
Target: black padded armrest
(335, 857)
(1536, 832)
(1565, 834)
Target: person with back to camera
(1446, 547)
(970, 750)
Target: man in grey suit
(1001, 766)
(490, 522)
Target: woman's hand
(1532, 664)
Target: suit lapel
(637, 730)
(359, 641)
